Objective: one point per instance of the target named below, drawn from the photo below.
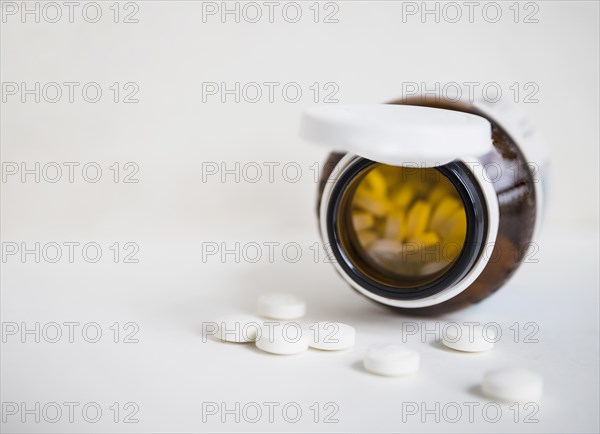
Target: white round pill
(281, 306)
(391, 360)
(513, 385)
(469, 339)
(282, 338)
(331, 336)
(238, 328)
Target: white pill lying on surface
(391, 360)
(469, 339)
(238, 328)
(282, 338)
(513, 385)
(331, 336)
(281, 306)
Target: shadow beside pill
(439, 345)
(359, 367)
(475, 391)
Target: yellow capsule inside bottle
(402, 226)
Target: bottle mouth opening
(406, 232)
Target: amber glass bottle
(432, 238)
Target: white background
(371, 54)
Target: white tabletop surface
(173, 375)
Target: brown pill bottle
(428, 205)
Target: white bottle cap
(398, 135)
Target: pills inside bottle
(402, 224)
